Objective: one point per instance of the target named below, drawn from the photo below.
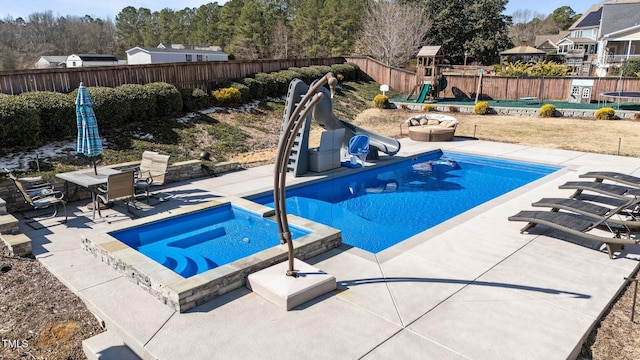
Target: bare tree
(526, 25)
(392, 31)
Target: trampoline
(621, 95)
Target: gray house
(51, 61)
(162, 54)
(604, 36)
(620, 35)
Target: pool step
(107, 346)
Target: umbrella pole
(95, 166)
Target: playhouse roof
(426, 51)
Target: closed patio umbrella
(89, 143)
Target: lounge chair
(618, 191)
(623, 215)
(581, 225)
(617, 177)
(40, 196)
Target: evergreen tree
(486, 30)
(206, 22)
(229, 14)
(129, 25)
(564, 17)
(475, 26)
(341, 21)
(305, 28)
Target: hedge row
(262, 85)
(37, 117)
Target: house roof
(616, 17)
(179, 51)
(429, 51)
(583, 41)
(54, 58)
(96, 57)
(551, 38)
(591, 20)
(588, 19)
(633, 31)
(523, 50)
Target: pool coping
(182, 293)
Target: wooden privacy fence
(203, 75)
(496, 87)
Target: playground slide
(323, 114)
(426, 88)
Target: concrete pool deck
(470, 288)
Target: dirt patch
(40, 318)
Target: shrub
(143, 102)
(381, 101)
(57, 113)
(19, 122)
(283, 78)
(245, 93)
(548, 68)
(517, 68)
(226, 96)
(481, 108)
(194, 99)
(269, 84)
(168, 98)
(453, 109)
(322, 69)
(428, 107)
(255, 87)
(112, 107)
(309, 74)
(605, 113)
(630, 67)
(548, 110)
(349, 71)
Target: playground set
(429, 79)
(430, 82)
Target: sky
(110, 8)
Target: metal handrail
(293, 124)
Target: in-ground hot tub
(196, 253)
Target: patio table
(88, 179)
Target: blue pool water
(196, 242)
(378, 208)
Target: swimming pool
(378, 208)
(198, 241)
(189, 255)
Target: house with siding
(89, 60)
(603, 37)
(620, 35)
(549, 42)
(51, 61)
(175, 53)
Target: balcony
(618, 59)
